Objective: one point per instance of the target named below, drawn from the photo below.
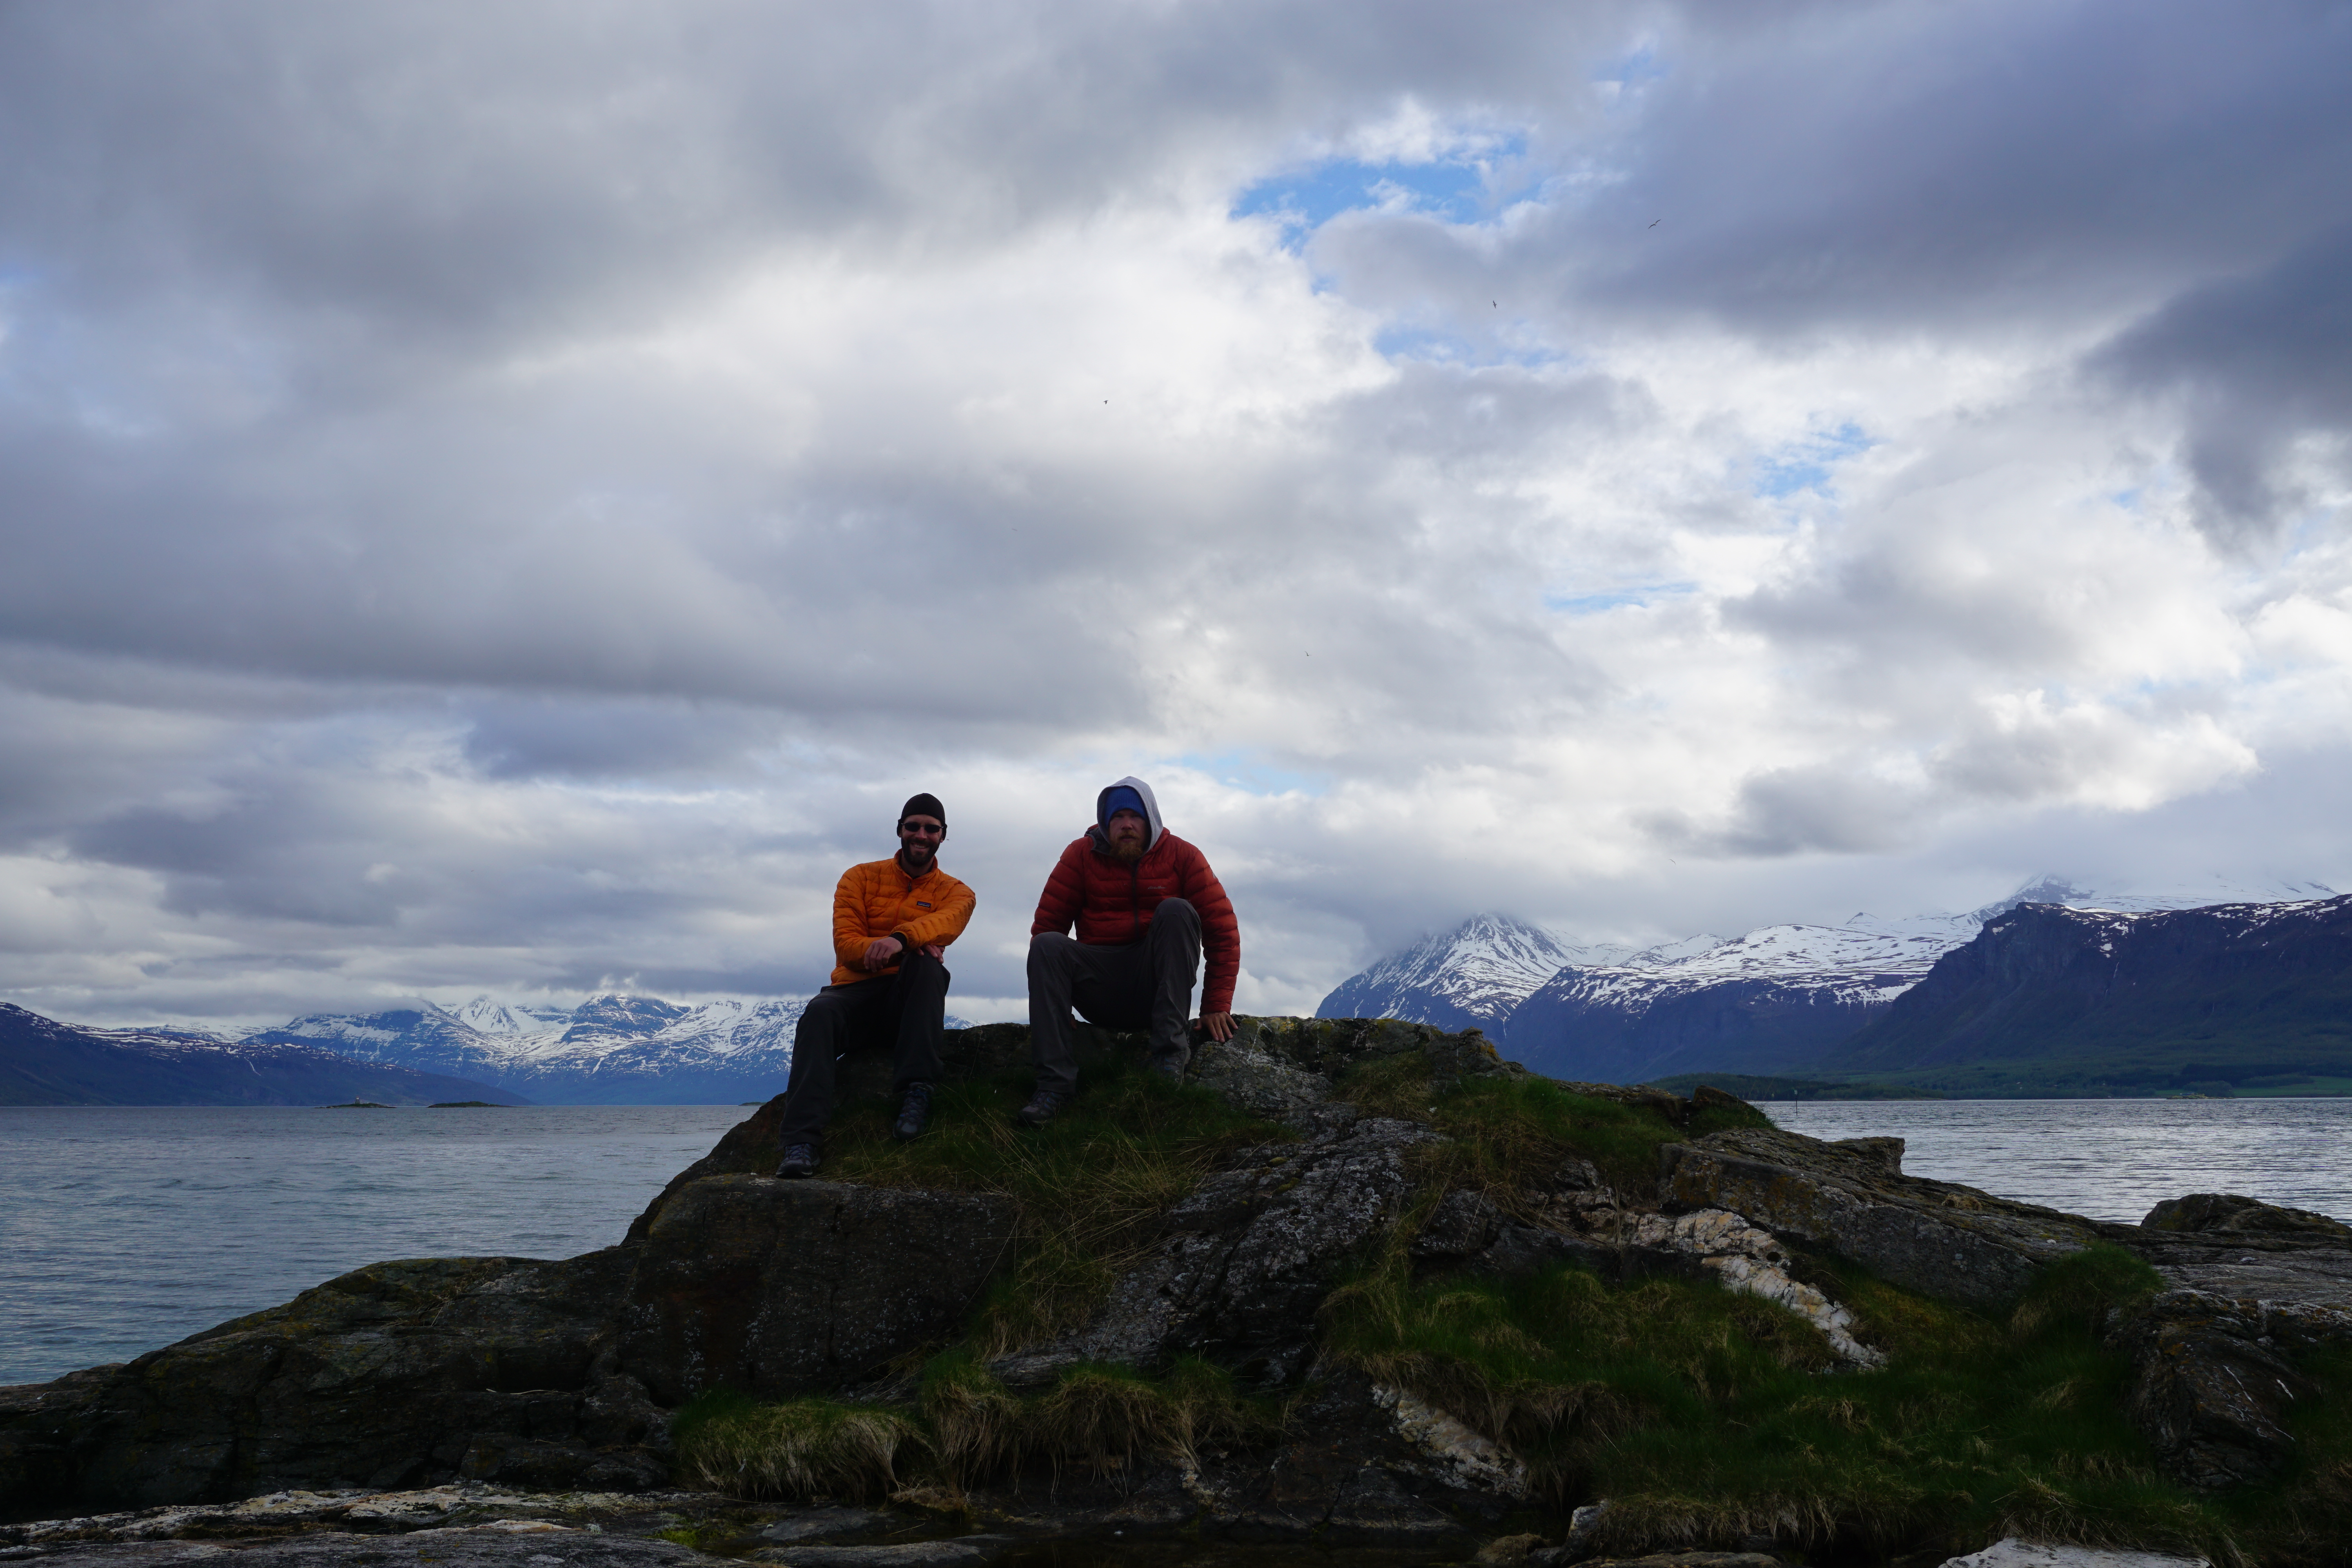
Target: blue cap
(1122, 798)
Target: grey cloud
(2258, 361)
(403, 653)
(520, 737)
(1885, 168)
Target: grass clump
(1506, 1135)
(1097, 1419)
(800, 1448)
(967, 1428)
(1706, 1417)
(1089, 1186)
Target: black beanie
(923, 805)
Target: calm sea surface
(122, 1230)
(2110, 1159)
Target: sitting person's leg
(834, 1021)
(918, 1006)
(1171, 960)
(1061, 971)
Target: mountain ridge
(1774, 1000)
(44, 1061)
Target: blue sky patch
(1618, 598)
(1456, 189)
(1806, 464)
(1249, 771)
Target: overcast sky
(511, 497)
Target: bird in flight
(1656, 221)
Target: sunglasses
(928, 830)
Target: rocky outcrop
(519, 1373)
(780, 1287)
(1242, 1262)
(468, 1368)
(2226, 1216)
(2012, 1552)
(1850, 1198)
(2213, 1387)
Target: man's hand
(935, 949)
(881, 952)
(1219, 1024)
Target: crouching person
(892, 921)
(1145, 906)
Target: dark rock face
(2226, 1214)
(1245, 1259)
(1341, 1476)
(2210, 1388)
(402, 1373)
(2233, 993)
(783, 1287)
(1852, 1199)
(442, 1549)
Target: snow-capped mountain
(2222, 999)
(1781, 997)
(609, 1050)
(1469, 977)
(45, 1062)
(1473, 976)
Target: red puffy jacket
(1112, 904)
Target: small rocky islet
(1360, 1289)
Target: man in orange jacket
(1145, 906)
(892, 921)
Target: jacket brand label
(922, 905)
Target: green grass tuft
(2079, 1290)
(1504, 1135)
(800, 1448)
(1706, 1417)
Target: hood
(1151, 812)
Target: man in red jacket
(1146, 905)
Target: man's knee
(1175, 920)
(1049, 952)
(918, 970)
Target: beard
(917, 857)
(1127, 851)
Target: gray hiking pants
(1144, 985)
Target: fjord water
(124, 1230)
(2108, 1159)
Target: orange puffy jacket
(878, 899)
(1112, 904)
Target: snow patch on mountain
(616, 1049)
(1470, 977)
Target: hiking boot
(1043, 1106)
(1171, 1065)
(800, 1160)
(913, 1112)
